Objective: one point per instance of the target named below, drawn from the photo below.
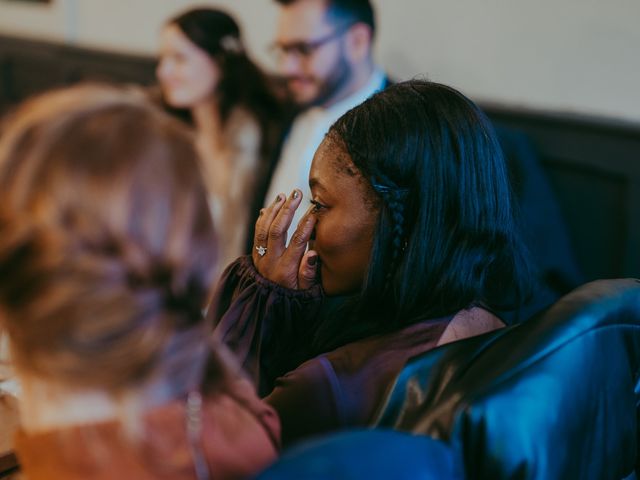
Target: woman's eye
(317, 206)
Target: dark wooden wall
(593, 164)
(28, 67)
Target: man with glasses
(323, 50)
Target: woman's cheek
(327, 239)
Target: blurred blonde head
(106, 242)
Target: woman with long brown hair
(205, 70)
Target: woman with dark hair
(412, 235)
(204, 69)
(107, 254)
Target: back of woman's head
(446, 237)
(106, 241)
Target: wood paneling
(28, 67)
(593, 166)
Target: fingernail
(311, 261)
(278, 198)
(261, 212)
(295, 194)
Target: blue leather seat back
(367, 454)
(554, 397)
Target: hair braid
(395, 200)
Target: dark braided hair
(393, 198)
(446, 237)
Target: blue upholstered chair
(556, 397)
(553, 398)
(367, 454)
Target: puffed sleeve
(309, 401)
(268, 327)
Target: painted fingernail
(311, 261)
(278, 198)
(295, 194)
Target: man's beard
(332, 86)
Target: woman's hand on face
(288, 266)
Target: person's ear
(358, 41)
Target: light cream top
(231, 167)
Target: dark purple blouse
(268, 327)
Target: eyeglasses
(304, 50)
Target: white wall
(569, 55)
